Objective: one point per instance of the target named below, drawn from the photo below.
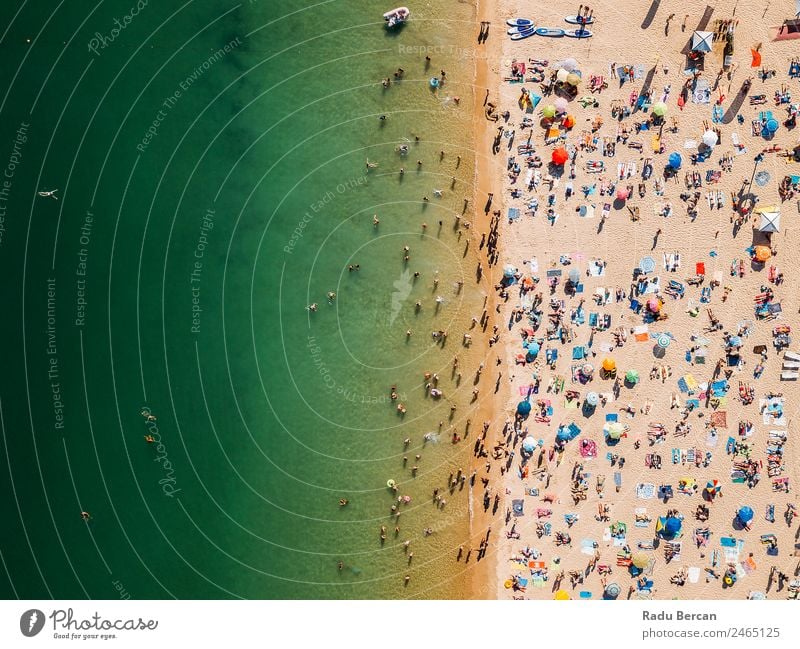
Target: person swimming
(343, 502)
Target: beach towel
(645, 491)
(693, 574)
(641, 333)
(702, 92)
(513, 213)
(587, 546)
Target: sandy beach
(650, 269)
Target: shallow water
(184, 291)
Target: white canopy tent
(702, 41)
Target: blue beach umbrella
(524, 408)
(675, 160)
(529, 444)
(771, 125)
(745, 514)
(663, 341)
(734, 341)
(534, 348)
(672, 526)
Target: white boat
(397, 16)
(789, 376)
(792, 356)
(791, 365)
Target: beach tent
(770, 219)
(702, 41)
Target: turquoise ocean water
(210, 166)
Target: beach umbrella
(563, 435)
(614, 430)
(612, 591)
(713, 487)
(654, 304)
(529, 444)
(770, 219)
(587, 369)
(663, 340)
(609, 364)
(771, 125)
(562, 75)
(640, 560)
(660, 109)
(533, 349)
(549, 111)
(745, 514)
(560, 156)
(710, 138)
(675, 160)
(524, 408)
(574, 276)
(562, 595)
(509, 270)
(568, 121)
(701, 41)
(569, 65)
(762, 253)
(632, 376)
(561, 105)
(734, 341)
(573, 79)
(622, 194)
(592, 398)
(672, 526)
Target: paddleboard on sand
(579, 20)
(524, 34)
(517, 30)
(578, 33)
(546, 31)
(518, 22)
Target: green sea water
(210, 162)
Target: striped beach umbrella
(663, 341)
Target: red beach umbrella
(560, 156)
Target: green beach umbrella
(549, 111)
(660, 109)
(632, 376)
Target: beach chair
(790, 376)
(792, 356)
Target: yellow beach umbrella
(562, 595)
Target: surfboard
(546, 31)
(578, 33)
(524, 34)
(518, 22)
(579, 20)
(517, 30)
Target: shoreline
(487, 180)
